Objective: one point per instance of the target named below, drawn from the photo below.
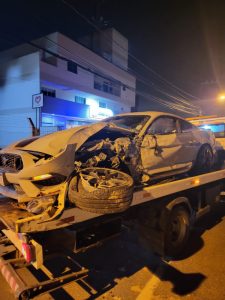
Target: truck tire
(101, 190)
(177, 231)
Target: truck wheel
(101, 190)
(204, 161)
(177, 231)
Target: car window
(163, 125)
(129, 122)
(186, 126)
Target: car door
(189, 141)
(160, 145)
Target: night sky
(181, 41)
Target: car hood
(54, 143)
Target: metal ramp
(26, 282)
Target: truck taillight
(27, 252)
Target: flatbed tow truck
(163, 212)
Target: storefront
(57, 114)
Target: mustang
(124, 150)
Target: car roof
(152, 114)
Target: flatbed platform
(19, 220)
(35, 236)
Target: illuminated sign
(97, 112)
(100, 113)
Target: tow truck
(163, 214)
(214, 123)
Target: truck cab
(216, 125)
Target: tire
(204, 162)
(177, 231)
(101, 190)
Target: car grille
(10, 162)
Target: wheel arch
(180, 201)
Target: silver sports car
(140, 147)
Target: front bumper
(25, 190)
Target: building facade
(78, 86)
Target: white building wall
(23, 76)
(84, 80)
(19, 81)
(66, 95)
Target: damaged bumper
(27, 191)
(23, 175)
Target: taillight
(27, 252)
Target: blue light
(206, 127)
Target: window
(102, 104)
(107, 86)
(72, 67)
(134, 123)
(80, 100)
(163, 125)
(186, 126)
(48, 92)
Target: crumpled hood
(55, 142)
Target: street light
(221, 97)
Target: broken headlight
(48, 179)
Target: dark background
(180, 41)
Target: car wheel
(101, 190)
(204, 161)
(177, 231)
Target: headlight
(48, 179)
(41, 177)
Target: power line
(153, 98)
(144, 65)
(173, 98)
(163, 92)
(154, 86)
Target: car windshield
(133, 123)
(217, 129)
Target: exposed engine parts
(122, 154)
(37, 206)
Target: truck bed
(22, 221)
(12, 218)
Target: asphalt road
(121, 269)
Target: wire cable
(144, 65)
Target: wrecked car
(100, 164)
